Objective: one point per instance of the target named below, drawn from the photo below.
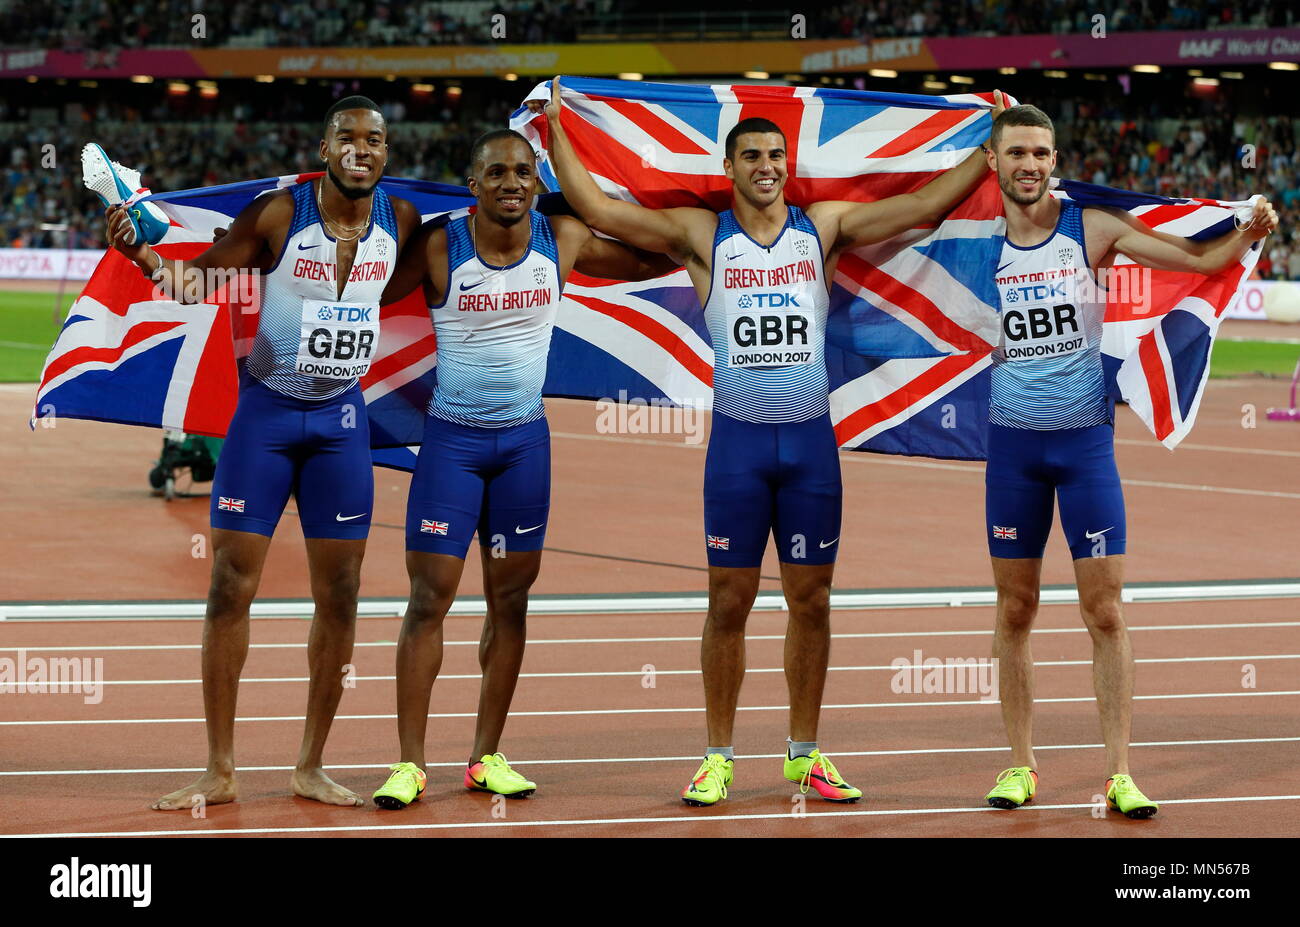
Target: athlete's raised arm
(1121, 233)
(594, 256)
(663, 231)
(243, 247)
(844, 226)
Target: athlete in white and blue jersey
(1047, 372)
(1051, 433)
(492, 281)
(326, 249)
(762, 270)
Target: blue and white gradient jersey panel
(1047, 370)
(312, 343)
(766, 314)
(494, 330)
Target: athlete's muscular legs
(335, 566)
(434, 580)
(722, 646)
(807, 643)
(1100, 580)
(1017, 582)
(506, 581)
(237, 559)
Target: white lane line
(858, 635)
(974, 469)
(579, 761)
(1228, 490)
(1260, 451)
(579, 712)
(684, 818)
(695, 672)
(1151, 484)
(684, 603)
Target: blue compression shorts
(1026, 468)
(496, 481)
(316, 450)
(772, 478)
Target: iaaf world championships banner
(805, 56)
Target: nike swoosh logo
(470, 286)
(825, 544)
(519, 530)
(1096, 534)
(732, 257)
(339, 517)
(1005, 266)
(302, 247)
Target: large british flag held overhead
(913, 320)
(912, 325)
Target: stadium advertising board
(809, 56)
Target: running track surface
(603, 744)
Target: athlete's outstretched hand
(117, 225)
(1263, 219)
(999, 103)
(553, 108)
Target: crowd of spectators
(76, 25)
(245, 141)
(885, 18)
(1213, 155)
(1218, 156)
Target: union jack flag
(1006, 534)
(433, 527)
(912, 324)
(718, 543)
(126, 354)
(226, 504)
(913, 320)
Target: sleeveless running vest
(494, 330)
(766, 314)
(1047, 371)
(310, 342)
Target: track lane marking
(578, 761)
(851, 635)
(594, 674)
(679, 819)
(578, 712)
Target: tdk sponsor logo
(353, 314)
(103, 880)
(767, 301)
(1039, 292)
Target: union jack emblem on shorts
(718, 543)
(226, 504)
(432, 527)
(1006, 534)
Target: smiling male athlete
(492, 281)
(762, 270)
(1051, 433)
(326, 249)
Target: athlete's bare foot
(314, 784)
(212, 788)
